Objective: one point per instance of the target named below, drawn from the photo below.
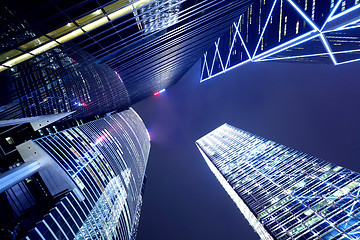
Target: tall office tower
(325, 31)
(84, 182)
(60, 81)
(283, 193)
(149, 44)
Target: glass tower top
(282, 192)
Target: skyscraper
(61, 81)
(282, 192)
(286, 30)
(59, 46)
(85, 182)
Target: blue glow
(266, 23)
(346, 26)
(264, 56)
(147, 130)
(280, 47)
(304, 15)
(331, 14)
(310, 55)
(162, 90)
(350, 61)
(218, 52)
(347, 51)
(345, 12)
(203, 67)
(213, 60)
(292, 57)
(228, 69)
(232, 43)
(326, 44)
(242, 40)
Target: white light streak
(228, 69)
(350, 61)
(242, 40)
(203, 67)
(292, 57)
(331, 14)
(250, 217)
(282, 47)
(304, 15)
(344, 12)
(328, 49)
(266, 23)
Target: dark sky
(312, 108)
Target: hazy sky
(312, 108)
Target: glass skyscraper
(149, 44)
(318, 31)
(61, 81)
(84, 182)
(282, 192)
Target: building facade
(85, 182)
(282, 192)
(61, 81)
(149, 44)
(287, 30)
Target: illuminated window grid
(292, 194)
(42, 90)
(85, 155)
(92, 206)
(90, 187)
(115, 29)
(68, 32)
(335, 13)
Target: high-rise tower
(325, 31)
(63, 50)
(282, 192)
(84, 182)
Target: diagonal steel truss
(334, 29)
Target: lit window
(10, 140)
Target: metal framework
(317, 32)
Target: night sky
(312, 108)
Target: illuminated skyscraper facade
(62, 81)
(283, 193)
(84, 182)
(149, 44)
(325, 31)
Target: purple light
(100, 139)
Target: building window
(10, 140)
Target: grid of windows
(58, 81)
(150, 44)
(106, 158)
(159, 14)
(293, 195)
